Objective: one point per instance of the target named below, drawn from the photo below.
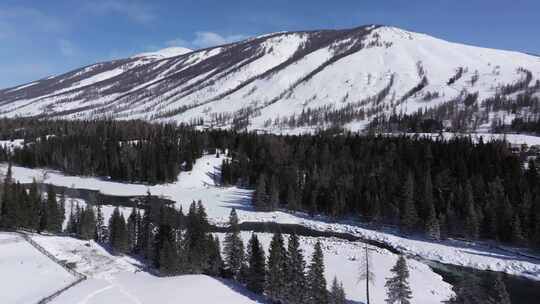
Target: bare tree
(365, 271)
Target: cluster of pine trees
(450, 188)
(284, 276)
(22, 208)
(132, 151)
(475, 290)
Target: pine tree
(398, 290)
(433, 228)
(292, 203)
(233, 246)
(274, 195)
(296, 277)
(317, 292)
(471, 220)
(256, 266)
(277, 269)
(366, 271)
(53, 220)
(497, 291)
(132, 229)
(168, 258)
(260, 196)
(337, 293)
(517, 232)
(87, 224)
(409, 215)
(101, 229)
(216, 262)
(118, 232)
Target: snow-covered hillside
(267, 82)
(119, 279)
(27, 275)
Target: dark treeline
(443, 189)
(132, 151)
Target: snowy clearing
(23, 266)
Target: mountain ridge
(285, 81)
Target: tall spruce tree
(101, 229)
(497, 290)
(398, 290)
(276, 287)
(118, 239)
(260, 197)
(337, 293)
(233, 246)
(409, 215)
(317, 292)
(256, 276)
(296, 277)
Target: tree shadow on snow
(243, 291)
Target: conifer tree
(215, 267)
(233, 246)
(398, 290)
(296, 277)
(256, 266)
(409, 215)
(292, 202)
(337, 293)
(433, 228)
(471, 220)
(317, 292)
(118, 232)
(260, 198)
(274, 195)
(132, 229)
(277, 269)
(53, 220)
(168, 258)
(497, 291)
(101, 229)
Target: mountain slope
(284, 80)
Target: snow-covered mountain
(285, 80)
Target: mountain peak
(165, 53)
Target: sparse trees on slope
(398, 290)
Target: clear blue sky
(43, 37)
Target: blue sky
(39, 38)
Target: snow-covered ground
(118, 279)
(200, 184)
(26, 275)
(342, 260)
(486, 137)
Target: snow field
(119, 279)
(26, 274)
